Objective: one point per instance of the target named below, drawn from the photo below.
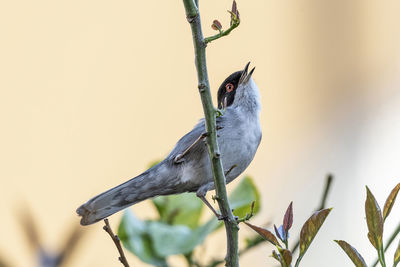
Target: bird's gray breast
(238, 142)
(238, 139)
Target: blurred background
(92, 91)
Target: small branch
(328, 183)
(381, 256)
(390, 241)
(117, 243)
(222, 33)
(321, 206)
(248, 215)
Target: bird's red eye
(229, 87)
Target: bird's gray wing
(187, 140)
(197, 151)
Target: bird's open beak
(246, 76)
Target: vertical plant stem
(381, 255)
(328, 183)
(298, 261)
(231, 227)
(390, 241)
(327, 187)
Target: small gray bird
(187, 168)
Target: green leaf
(355, 257)
(397, 256)
(177, 239)
(161, 205)
(270, 237)
(241, 198)
(182, 209)
(374, 220)
(390, 201)
(310, 230)
(134, 236)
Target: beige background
(92, 91)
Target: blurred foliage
(184, 209)
(45, 256)
(375, 222)
(178, 230)
(243, 196)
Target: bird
(187, 168)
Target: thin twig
(248, 215)
(222, 33)
(328, 183)
(321, 206)
(235, 21)
(117, 243)
(390, 241)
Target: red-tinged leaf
(287, 256)
(396, 256)
(288, 218)
(390, 201)
(234, 7)
(355, 257)
(235, 17)
(277, 232)
(216, 25)
(374, 219)
(310, 229)
(264, 233)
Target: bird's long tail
(156, 181)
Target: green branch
(390, 241)
(231, 227)
(327, 187)
(235, 21)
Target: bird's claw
(179, 158)
(220, 217)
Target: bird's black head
(227, 90)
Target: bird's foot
(221, 217)
(179, 158)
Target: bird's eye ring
(229, 87)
